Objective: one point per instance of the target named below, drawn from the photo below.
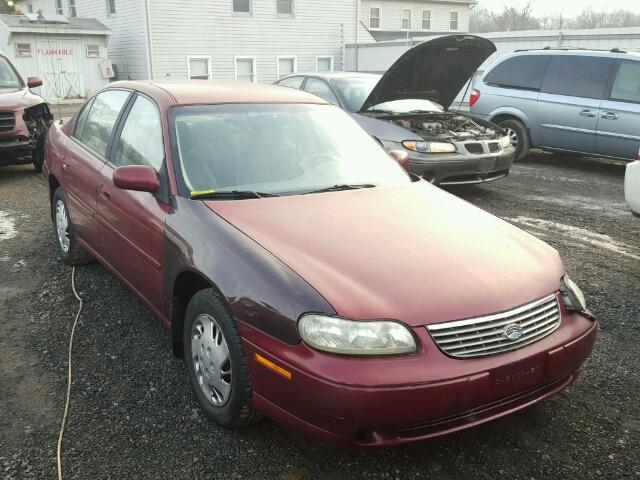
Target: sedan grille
(502, 332)
(7, 121)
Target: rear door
(131, 224)
(619, 121)
(569, 104)
(84, 157)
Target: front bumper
(387, 401)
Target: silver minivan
(578, 101)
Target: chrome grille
(477, 337)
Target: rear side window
(95, 131)
(577, 76)
(292, 82)
(524, 72)
(321, 88)
(140, 142)
(626, 85)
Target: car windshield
(8, 76)
(355, 90)
(276, 149)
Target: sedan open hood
(435, 70)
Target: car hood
(435, 70)
(413, 253)
(14, 98)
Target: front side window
(324, 64)
(280, 149)
(286, 66)
(72, 8)
(524, 72)
(199, 68)
(95, 132)
(111, 7)
(59, 7)
(374, 18)
(453, 21)
(293, 82)
(8, 76)
(406, 19)
(246, 69)
(577, 76)
(626, 86)
(141, 140)
(284, 7)
(321, 88)
(426, 20)
(242, 6)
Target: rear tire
(69, 249)
(215, 361)
(519, 137)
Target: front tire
(519, 137)
(215, 361)
(69, 249)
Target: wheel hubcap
(62, 226)
(513, 136)
(210, 356)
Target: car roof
(615, 52)
(198, 92)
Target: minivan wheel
(215, 361)
(519, 137)
(69, 249)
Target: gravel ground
(132, 415)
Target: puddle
(7, 226)
(578, 235)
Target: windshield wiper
(229, 195)
(344, 186)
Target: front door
(569, 103)
(131, 224)
(58, 60)
(619, 122)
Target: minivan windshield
(275, 149)
(8, 76)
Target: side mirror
(33, 82)
(139, 178)
(400, 156)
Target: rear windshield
(524, 72)
(355, 90)
(8, 76)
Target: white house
(248, 40)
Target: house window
(453, 21)
(72, 8)
(246, 69)
(324, 64)
(426, 20)
(287, 66)
(242, 6)
(23, 49)
(93, 51)
(59, 7)
(199, 68)
(111, 8)
(374, 18)
(406, 19)
(285, 7)
(29, 7)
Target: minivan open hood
(435, 70)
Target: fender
(527, 120)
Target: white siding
(128, 45)
(209, 28)
(391, 16)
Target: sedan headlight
(572, 296)
(505, 142)
(350, 337)
(429, 147)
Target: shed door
(59, 62)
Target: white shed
(69, 54)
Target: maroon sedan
(303, 274)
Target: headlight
(505, 142)
(572, 296)
(429, 147)
(350, 337)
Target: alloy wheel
(513, 135)
(62, 226)
(211, 362)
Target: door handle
(610, 116)
(105, 193)
(587, 113)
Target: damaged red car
(24, 118)
(303, 274)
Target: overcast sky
(568, 7)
